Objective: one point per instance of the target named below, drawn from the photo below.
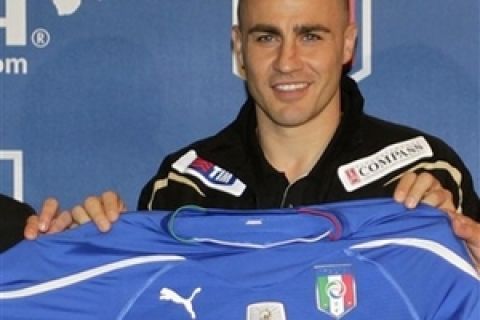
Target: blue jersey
(370, 259)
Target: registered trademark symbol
(40, 38)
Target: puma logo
(170, 295)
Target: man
(301, 138)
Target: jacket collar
(348, 133)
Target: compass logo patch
(362, 172)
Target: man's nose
(288, 57)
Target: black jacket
(13, 217)
(234, 155)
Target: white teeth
(291, 87)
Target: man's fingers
(412, 188)
(49, 210)
(440, 198)
(93, 210)
(31, 230)
(403, 187)
(103, 210)
(113, 205)
(61, 222)
(80, 215)
(428, 190)
(423, 185)
(415, 188)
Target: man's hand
(415, 188)
(102, 210)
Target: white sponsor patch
(266, 311)
(210, 174)
(362, 172)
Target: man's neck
(295, 150)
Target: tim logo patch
(209, 174)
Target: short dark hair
(241, 5)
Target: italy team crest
(335, 290)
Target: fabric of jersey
(398, 264)
(236, 151)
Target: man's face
(293, 52)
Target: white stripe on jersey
(428, 245)
(85, 275)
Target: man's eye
(265, 38)
(311, 37)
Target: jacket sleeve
(454, 176)
(170, 190)
(13, 218)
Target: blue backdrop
(93, 94)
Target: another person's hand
(469, 230)
(413, 189)
(49, 220)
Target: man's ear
(237, 51)
(349, 42)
